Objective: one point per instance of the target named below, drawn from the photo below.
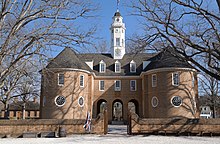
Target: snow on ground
(116, 135)
(114, 139)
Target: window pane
(117, 85)
(117, 41)
(82, 81)
(175, 79)
(117, 67)
(154, 80)
(133, 85)
(102, 85)
(133, 67)
(102, 67)
(61, 79)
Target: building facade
(155, 85)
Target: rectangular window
(117, 85)
(117, 67)
(133, 67)
(133, 85)
(117, 41)
(102, 67)
(60, 79)
(175, 79)
(154, 80)
(81, 81)
(101, 85)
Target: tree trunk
(23, 111)
(214, 111)
(6, 115)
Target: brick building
(153, 85)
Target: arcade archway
(133, 106)
(101, 106)
(117, 110)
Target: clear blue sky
(107, 10)
(104, 19)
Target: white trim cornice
(168, 69)
(127, 77)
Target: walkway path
(117, 129)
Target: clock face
(117, 52)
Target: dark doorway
(133, 106)
(101, 106)
(117, 110)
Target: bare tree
(210, 89)
(29, 27)
(191, 28)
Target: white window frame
(58, 78)
(171, 101)
(117, 63)
(100, 86)
(135, 85)
(81, 84)
(154, 81)
(83, 101)
(118, 88)
(133, 63)
(55, 100)
(173, 79)
(152, 102)
(100, 65)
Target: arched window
(102, 66)
(117, 67)
(133, 66)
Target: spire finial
(118, 1)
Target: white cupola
(117, 36)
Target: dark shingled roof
(110, 63)
(69, 59)
(165, 59)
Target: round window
(60, 101)
(154, 102)
(81, 101)
(176, 101)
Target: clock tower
(117, 36)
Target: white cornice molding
(126, 77)
(168, 69)
(70, 69)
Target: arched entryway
(117, 110)
(133, 106)
(101, 106)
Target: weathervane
(118, 1)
